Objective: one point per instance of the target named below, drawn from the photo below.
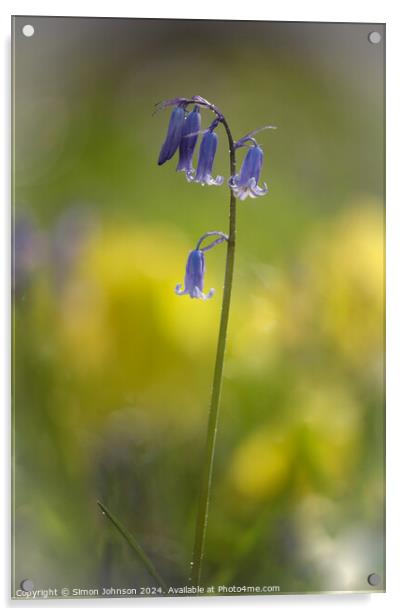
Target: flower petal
(218, 181)
(257, 191)
(179, 291)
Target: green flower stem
(135, 546)
(206, 480)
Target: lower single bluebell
(195, 267)
(194, 277)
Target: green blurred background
(112, 370)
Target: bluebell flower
(206, 157)
(191, 129)
(194, 278)
(173, 136)
(245, 183)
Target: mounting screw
(374, 579)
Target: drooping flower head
(173, 136)
(245, 183)
(194, 278)
(195, 267)
(206, 158)
(191, 129)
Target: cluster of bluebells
(183, 132)
(182, 135)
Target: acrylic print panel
(162, 446)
